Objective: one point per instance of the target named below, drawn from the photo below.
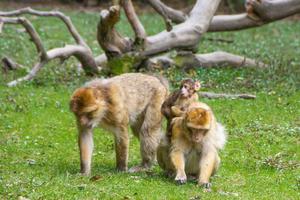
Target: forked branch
(259, 12)
(81, 51)
(108, 38)
(58, 14)
(31, 31)
(168, 13)
(266, 11)
(137, 26)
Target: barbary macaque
(179, 100)
(193, 148)
(131, 99)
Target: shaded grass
(39, 155)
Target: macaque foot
(122, 168)
(206, 186)
(180, 179)
(138, 168)
(85, 173)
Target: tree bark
(266, 10)
(188, 60)
(81, 50)
(185, 36)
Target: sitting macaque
(131, 99)
(179, 100)
(193, 148)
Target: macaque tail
(221, 136)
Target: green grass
(39, 154)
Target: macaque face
(189, 87)
(196, 135)
(186, 90)
(198, 123)
(85, 106)
(86, 119)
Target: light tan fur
(194, 145)
(131, 99)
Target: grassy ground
(39, 155)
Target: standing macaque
(131, 99)
(178, 101)
(193, 148)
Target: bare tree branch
(9, 64)
(81, 51)
(221, 58)
(184, 36)
(101, 60)
(266, 10)
(30, 75)
(31, 31)
(187, 34)
(168, 13)
(133, 19)
(109, 39)
(188, 60)
(211, 95)
(58, 14)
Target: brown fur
(178, 101)
(130, 99)
(193, 148)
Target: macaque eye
(186, 86)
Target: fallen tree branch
(188, 60)
(221, 58)
(108, 38)
(9, 64)
(182, 36)
(168, 13)
(266, 11)
(79, 40)
(138, 28)
(185, 35)
(81, 51)
(30, 75)
(211, 95)
(30, 30)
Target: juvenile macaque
(130, 99)
(193, 148)
(179, 100)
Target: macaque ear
(197, 86)
(198, 118)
